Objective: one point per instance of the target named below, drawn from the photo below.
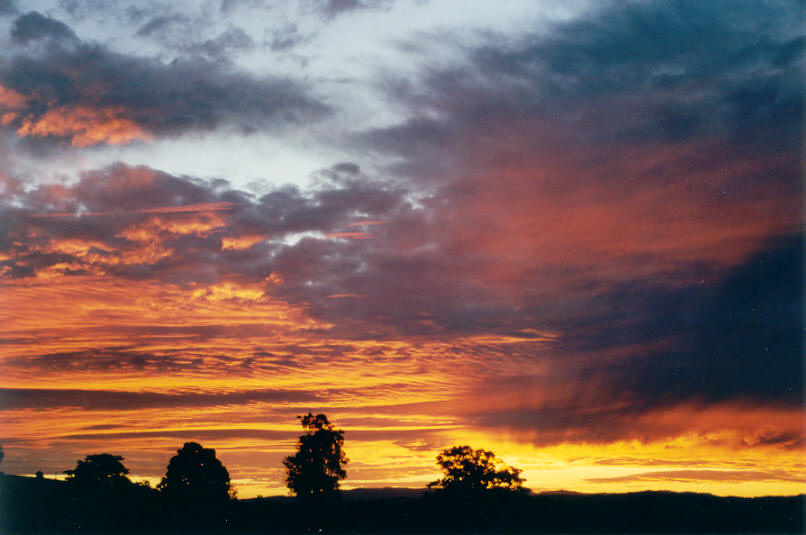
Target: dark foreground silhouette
(29, 505)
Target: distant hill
(559, 493)
(382, 493)
(10, 481)
(28, 505)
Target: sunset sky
(566, 231)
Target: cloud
(222, 46)
(567, 156)
(84, 126)
(157, 24)
(85, 94)
(741, 338)
(599, 223)
(703, 475)
(99, 400)
(197, 434)
(34, 26)
(286, 38)
(651, 350)
(630, 179)
(119, 360)
(635, 79)
(333, 8)
(239, 433)
(7, 7)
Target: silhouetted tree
(467, 469)
(315, 470)
(1, 453)
(195, 475)
(101, 472)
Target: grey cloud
(33, 26)
(333, 8)
(221, 47)
(637, 78)
(157, 24)
(631, 72)
(121, 197)
(651, 348)
(286, 39)
(188, 94)
(7, 7)
(741, 339)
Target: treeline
(477, 493)
(45, 506)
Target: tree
(102, 471)
(467, 469)
(315, 470)
(194, 474)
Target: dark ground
(28, 505)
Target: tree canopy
(99, 471)
(318, 465)
(195, 474)
(467, 469)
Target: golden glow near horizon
(148, 367)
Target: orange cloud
(349, 235)
(10, 99)
(365, 223)
(84, 126)
(201, 207)
(241, 242)
(177, 303)
(548, 219)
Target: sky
(569, 232)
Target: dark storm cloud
(635, 72)
(700, 106)
(739, 339)
(664, 130)
(742, 339)
(33, 26)
(90, 87)
(35, 398)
